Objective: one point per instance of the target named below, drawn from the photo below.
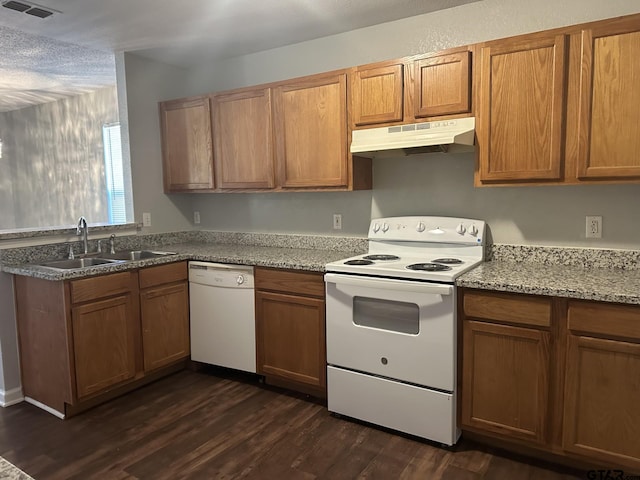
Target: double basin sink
(104, 259)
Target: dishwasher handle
(221, 275)
(197, 265)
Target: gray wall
(53, 161)
(434, 185)
(147, 83)
(9, 360)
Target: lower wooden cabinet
(602, 385)
(83, 340)
(104, 343)
(560, 376)
(290, 329)
(507, 384)
(164, 313)
(506, 364)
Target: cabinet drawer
(172, 272)
(607, 320)
(287, 281)
(508, 308)
(98, 287)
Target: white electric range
(391, 324)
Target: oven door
(398, 329)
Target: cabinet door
(609, 118)
(104, 339)
(601, 414)
(377, 94)
(311, 132)
(505, 380)
(442, 85)
(290, 338)
(243, 139)
(521, 110)
(602, 385)
(186, 144)
(165, 324)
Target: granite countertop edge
(588, 283)
(312, 260)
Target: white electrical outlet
(593, 226)
(146, 219)
(337, 221)
(196, 217)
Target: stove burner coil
(358, 262)
(381, 257)
(448, 261)
(428, 267)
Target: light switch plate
(146, 219)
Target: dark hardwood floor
(217, 425)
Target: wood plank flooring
(205, 425)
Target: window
(114, 173)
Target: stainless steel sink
(78, 263)
(104, 259)
(131, 255)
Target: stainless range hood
(456, 135)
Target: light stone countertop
(561, 272)
(307, 259)
(586, 283)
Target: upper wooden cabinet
(290, 135)
(186, 144)
(608, 115)
(560, 106)
(377, 94)
(311, 126)
(243, 139)
(442, 85)
(412, 89)
(521, 109)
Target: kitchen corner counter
(307, 259)
(601, 284)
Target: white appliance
(222, 309)
(391, 324)
(426, 137)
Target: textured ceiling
(180, 33)
(35, 70)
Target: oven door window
(393, 316)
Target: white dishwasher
(222, 309)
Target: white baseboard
(11, 397)
(44, 407)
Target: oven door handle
(389, 284)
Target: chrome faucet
(112, 243)
(84, 231)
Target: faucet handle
(112, 243)
(71, 256)
(99, 249)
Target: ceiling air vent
(18, 6)
(39, 12)
(29, 8)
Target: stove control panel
(428, 229)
